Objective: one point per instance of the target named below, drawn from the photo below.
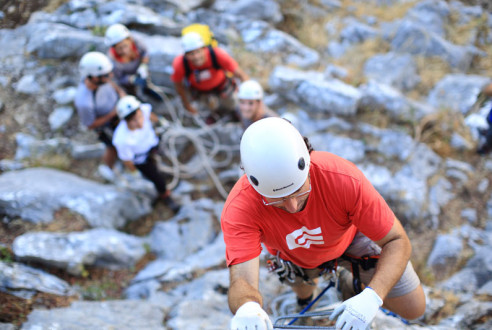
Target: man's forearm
(240, 292)
(391, 265)
(103, 120)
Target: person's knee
(410, 306)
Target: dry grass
(361, 9)
(436, 130)
(356, 57)
(431, 70)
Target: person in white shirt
(136, 144)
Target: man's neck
(90, 85)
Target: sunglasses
(297, 196)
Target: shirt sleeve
(85, 108)
(370, 212)
(225, 60)
(178, 69)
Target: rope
(204, 139)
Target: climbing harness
(365, 262)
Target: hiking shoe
(169, 202)
(106, 172)
(345, 284)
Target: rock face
(387, 111)
(35, 193)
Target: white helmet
(126, 105)
(250, 90)
(275, 157)
(192, 41)
(116, 33)
(95, 64)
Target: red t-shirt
(208, 77)
(341, 202)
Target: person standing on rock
(251, 106)
(206, 74)
(312, 209)
(95, 100)
(136, 143)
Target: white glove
(358, 311)
(143, 71)
(250, 316)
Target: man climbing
(95, 100)
(130, 60)
(311, 209)
(136, 143)
(206, 74)
(251, 106)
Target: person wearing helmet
(95, 101)
(312, 210)
(207, 75)
(136, 143)
(486, 147)
(251, 106)
(129, 56)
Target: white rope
(205, 141)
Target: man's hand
(143, 71)
(358, 311)
(251, 316)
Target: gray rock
(397, 70)
(90, 151)
(445, 254)
(11, 165)
(265, 10)
(284, 80)
(470, 215)
(161, 58)
(29, 147)
(261, 37)
(464, 280)
(12, 44)
(34, 194)
(113, 314)
(414, 38)
(189, 231)
(59, 117)
(329, 97)
(203, 303)
(356, 32)
(486, 289)
(24, 281)
(469, 315)
(58, 41)
(377, 96)
(347, 148)
(432, 14)
(106, 248)
(28, 85)
(65, 96)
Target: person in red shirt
(309, 208)
(207, 75)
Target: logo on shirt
(304, 237)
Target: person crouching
(136, 144)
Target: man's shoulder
(332, 164)
(178, 60)
(120, 133)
